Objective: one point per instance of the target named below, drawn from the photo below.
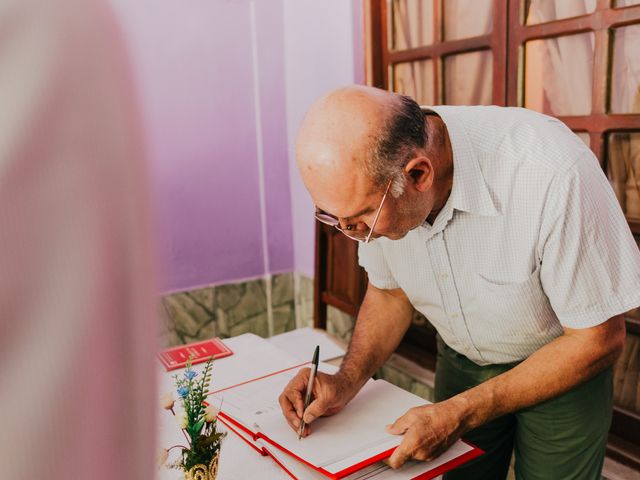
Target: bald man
(499, 225)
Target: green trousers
(561, 439)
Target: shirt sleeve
(590, 263)
(371, 258)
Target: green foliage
(203, 438)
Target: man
(77, 315)
(499, 225)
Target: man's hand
(330, 394)
(428, 431)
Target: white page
(337, 442)
(251, 402)
(300, 343)
(355, 434)
(377, 471)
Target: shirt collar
(469, 192)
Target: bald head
(357, 138)
(339, 128)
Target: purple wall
(324, 50)
(224, 85)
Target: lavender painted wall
(202, 86)
(323, 50)
(224, 85)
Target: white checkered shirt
(530, 240)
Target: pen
(312, 378)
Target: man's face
(395, 216)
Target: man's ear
(420, 172)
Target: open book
(348, 445)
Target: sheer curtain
(468, 77)
(560, 68)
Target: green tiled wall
(264, 306)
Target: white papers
(354, 435)
(337, 442)
(377, 471)
(301, 342)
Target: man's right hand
(330, 394)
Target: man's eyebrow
(361, 212)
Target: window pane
(543, 11)
(623, 170)
(468, 78)
(467, 18)
(625, 75)
(558, 74)
(626, 3)
(416, 80)
(584, 136)
(412, 24)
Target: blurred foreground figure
(77, 324)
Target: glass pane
(626, 3)
(625, 71)
(412, 24)
(543, 11)
(468, 78)
(623, 170)
(416, 80)
(467, 18)
(558, 74)
(584, 136)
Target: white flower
(166, 401)
(183, 420)
(210, 414)
(162, 457)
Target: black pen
(312, 378)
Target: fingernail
(308, 418)
(296, 422)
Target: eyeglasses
(363, 235)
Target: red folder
(250, 436)
(177, 357)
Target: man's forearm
(382, 321)
(556, 368)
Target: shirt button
(444, 275)
(454, 315)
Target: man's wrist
(351, 381)
(464, 411)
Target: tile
(395, 376)
(422, 390)
(282, 288)
(284, 318)
(257, 324)
(241, 301)
(185, 316)
(339, 324)
(303, 300)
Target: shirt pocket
(518, 309)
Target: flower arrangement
(197, 420)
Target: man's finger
(315, 410)
(289, 412)
(399, 456)
(400, 426)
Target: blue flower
(190, 374)
(183, 392)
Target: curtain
(559, 70)
(468, 77)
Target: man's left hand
(428, 431)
